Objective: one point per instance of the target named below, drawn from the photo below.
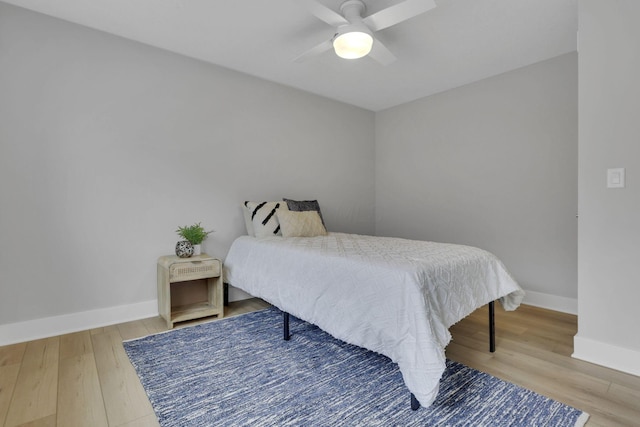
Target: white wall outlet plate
(615, 178)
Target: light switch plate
(615, 178)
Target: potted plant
(194, 234)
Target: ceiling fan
(354, 36)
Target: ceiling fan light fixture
(353, 44)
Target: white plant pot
(197, 249)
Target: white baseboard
(611, 356)
(537, 299)
(236, 294)
(551, 302)
(57, 325)
(12, 333)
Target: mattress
(394, 296)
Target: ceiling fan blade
(398, 13)
(380, 53)
(316, 50)
(325, 14)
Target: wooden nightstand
(174, 270)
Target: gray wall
(491, 164)
(609, 225)
(106, 146)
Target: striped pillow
(264, 219)
(247, 220)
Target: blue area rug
(239, 371)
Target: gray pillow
(304, 205)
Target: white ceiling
(459, 42)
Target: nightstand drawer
(192, 270)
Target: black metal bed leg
(492, 327)
(285, 329)
(414, 403)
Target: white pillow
(300, 224)
(247, 220)
(264, 219)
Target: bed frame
(414, 402)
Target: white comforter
(394, 296)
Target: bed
(393, 296)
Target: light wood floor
(85, 378)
